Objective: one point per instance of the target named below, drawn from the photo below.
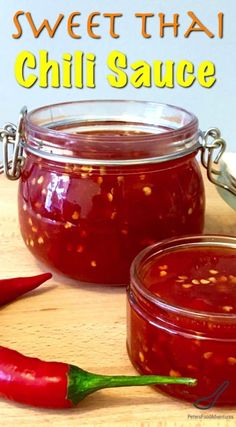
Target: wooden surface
(87, 326)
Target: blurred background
(214, 107)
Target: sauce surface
(198, 279)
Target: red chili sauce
(191, 331)
(89, 222)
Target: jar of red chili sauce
(101, 180)
(182, 316)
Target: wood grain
(87, 326)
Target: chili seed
(182, 277)
(163, 273)
(141, 356)
(24, 207)
(207, 355)
(231, 360)
(68, 225)
(195, 282)
(44, 192)
(40, 240)
(100, 180)
(30, 221)
(147, 191)
(213, 271)
(93, 264)
(33, 182)
(190, 211)
(204, 281)
(31, 243)
(75, 215)
(187, 285)
(222, 279)
(40, 180)
(110, 197)
(174, 373)
(227, 308)
(212, 279)
(34, 229)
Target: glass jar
(181, 317)
(101, 180)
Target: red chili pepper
(59, 385)
(10, 289)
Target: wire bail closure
(212, 152)
(12, 135)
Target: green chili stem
(82, 383)
(105, 381)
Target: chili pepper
(59, 385)
(10, 289)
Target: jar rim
(43, 138)
(172, 244)
(29, 115)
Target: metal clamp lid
(11, 134)
(212, 151)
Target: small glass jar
(101, 180)
(181, 317)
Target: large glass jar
(181, 318)
(102, 180)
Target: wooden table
(87, 326)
